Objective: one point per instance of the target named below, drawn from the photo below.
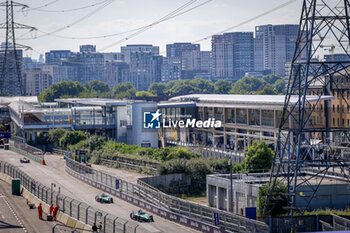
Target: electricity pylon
(11, 76)
(313, 137)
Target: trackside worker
(94, 228)
(51, 209)
(100, 227)
(55, 212)
(40, 211)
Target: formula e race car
(103, 198)
(24, 160)
(141, 216)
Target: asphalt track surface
(15, 215)
(54, 172)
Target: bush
(277, 200)
(72, 137)
(259, 158)
(55, 135)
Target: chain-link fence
(75, 209)
(175, 209)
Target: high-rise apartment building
(171, 69)
(117, 72)
(90, 66)
(55, 57)
(145, 69)
(31, 64)
(36, 81)
(110, 57)
(88, 48)
(196, 60)
(176, 49)
(61, 73)
(232, 55)
(274, 46)
(127, 50)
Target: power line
(248, 20)
(39, 7)
(108, 35)
(165, 18)
(69, 10)
(108, 2)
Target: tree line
(267, 85)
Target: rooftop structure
(331, 194)
(119, 120)
(245, 118)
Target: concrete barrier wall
(61, 217)
(180, 219)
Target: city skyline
(204, 21)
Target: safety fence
(75, 209)
(130, 164)
(211, 152)
(196, 216)
(19, 145)
(340, 223)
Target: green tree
(58, 90)
(123, 90)
(72, 138)
(182, 87)
(270, 79)
(259, 157)
(143, 94)
(222, 86)
(158, 89)
(247, 85)
(97, 86)
(4, 93)
(267, 91)
(280, 86)
(277, 200)
(201, 85)
(55, 135)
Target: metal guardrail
(19, 145)
(74, 208)
(130, 164)
(211, 152)
(326, 226)
(340, 223)
(174, 209)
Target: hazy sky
(122, 15)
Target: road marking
(17, 218)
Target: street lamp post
(231, 185)
(52, 186)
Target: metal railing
(130, 164)
(211, 152)
(172, 208)
(340, 223)
(74, 208)
(19, 145)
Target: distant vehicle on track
(141, 216)
(24, 160)
(103, 198)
